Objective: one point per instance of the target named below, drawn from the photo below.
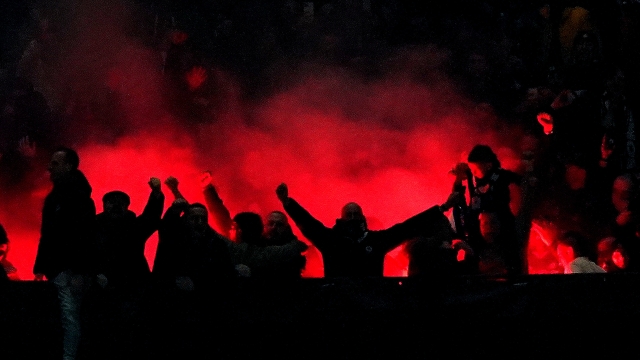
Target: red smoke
(332, 136)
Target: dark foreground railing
(529, 317)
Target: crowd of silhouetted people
(565, 73)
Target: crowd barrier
(473, 317)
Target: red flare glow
(541, 252)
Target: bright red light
(541, 252)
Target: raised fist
(171, 182)
(282, 191)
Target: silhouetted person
(190, 252)
(121, 239)
(66, 252)
(349, 248)
(281, 260)
(278, 232)
(194, 265)
(5, 264)
(24, 123)
(493, 190)
(122, 235)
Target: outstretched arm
(427, 223)
(311, 228)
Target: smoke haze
(333, 135)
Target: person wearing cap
(122, 235)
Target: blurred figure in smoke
(573, 253)
(9, 269)
(23, 125)
(496, 191)
(66, 252)
(626, 202)
(349, 248)
(625, 220)
(606, 247)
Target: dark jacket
(283, 261)
(345, 256)
(67, 235)
(122, 241)
(206, 261)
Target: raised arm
(172, 184)
(220, 214)
(311, 228)
(149, 220)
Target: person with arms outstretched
(349, 248)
